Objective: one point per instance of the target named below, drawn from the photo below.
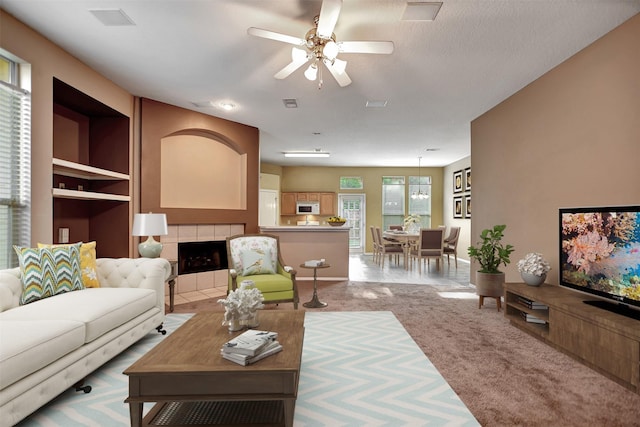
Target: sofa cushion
(100, 309)
(88, 266)
(49, 271)
(29, 345)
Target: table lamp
(150, 224)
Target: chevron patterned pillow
(49, 271)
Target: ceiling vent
(290, 103)
(421, 11)
(112, 17)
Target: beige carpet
(504, 376)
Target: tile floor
(363, 269)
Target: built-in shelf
(77, 170)
(62, 193)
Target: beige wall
(49, 61)
(328, 179)
(571, 138)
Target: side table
(171, 281)
(315, 302)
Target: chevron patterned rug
(358, 369)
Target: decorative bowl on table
(336, 221)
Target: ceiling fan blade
(266, 34)
(290, 68)
(341, 76)
(382, 47)
(329, 13)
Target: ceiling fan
(319, 46)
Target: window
(420, 185)
(15, 163)
(392, 201)
(351, 183)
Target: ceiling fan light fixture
(330, 50)
(311, 73)
(298, 55)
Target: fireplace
(196, 257)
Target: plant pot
(532, 279)
(490, 284)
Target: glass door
(352, 208)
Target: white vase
(532, 279)
(235, 325)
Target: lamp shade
(150, 224)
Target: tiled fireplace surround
(197, 286)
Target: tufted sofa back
(148, 273)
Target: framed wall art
(457, 207)
(467, 179)
(467, 207)
(457, 181)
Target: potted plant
(533, 268)
(491, 253)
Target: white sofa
(52, 344)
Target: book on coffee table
(250, 342)
(242, 359)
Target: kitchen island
(302, 243)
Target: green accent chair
(257, 257)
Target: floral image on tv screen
(600, 252)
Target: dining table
(405, 239)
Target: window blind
(15, 171)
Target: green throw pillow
(49, 271)
(257, 262)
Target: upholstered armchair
(257, 257)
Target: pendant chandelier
(419, 195)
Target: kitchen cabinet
(288, 204)
(328, 204)
(308, 197)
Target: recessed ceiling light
(376, 104)
(227, 106)
(421, 11)
(112, 17)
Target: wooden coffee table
(193, 384)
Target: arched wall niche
(196, 168)
(200, 169)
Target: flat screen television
(600, 255)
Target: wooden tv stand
(605, 341)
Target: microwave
(308, 208)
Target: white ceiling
(441, 76)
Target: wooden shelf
(77, 170)
(62, 193)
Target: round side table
(315, 302)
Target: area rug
(363, 369)
(358, 369)
(503, 375)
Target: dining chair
(430, 245)
(388, 247)
(376, 245)
(451, 245)
(396, 227)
